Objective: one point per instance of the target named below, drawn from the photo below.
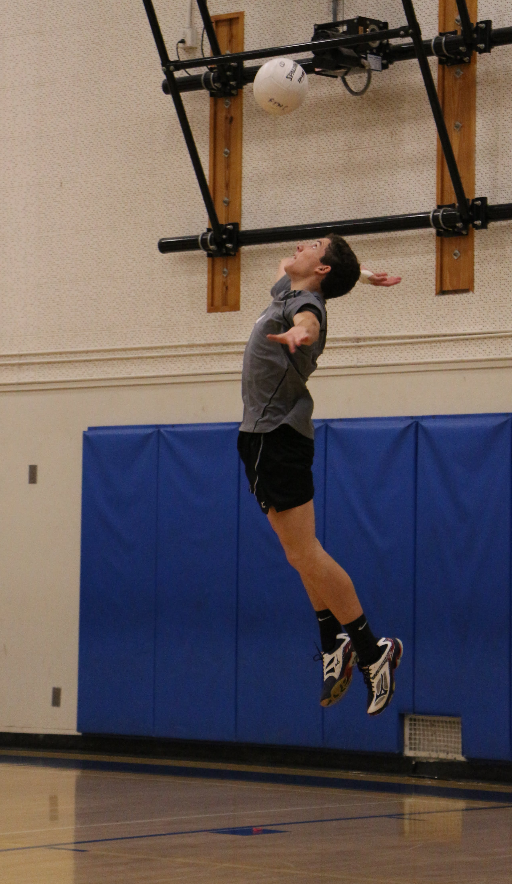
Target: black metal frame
(447, 48)
(465, 21)
(330, 43)
(182, 116)
(437, 110)
(442, 219)
(225, 74)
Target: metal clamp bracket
(479, 215)
(439, 46)
(338, 60)
(483, 31)
(460, 55)
(446, 220)
(228, 244)
(223, 80)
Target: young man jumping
(276, 444)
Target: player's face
(307, 257)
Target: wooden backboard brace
(456, 86)
(226, 118)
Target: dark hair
(345, 269)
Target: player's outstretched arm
(378, 277)
(304, 332)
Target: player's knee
(299, 555)
(294, 557)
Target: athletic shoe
(379, 676)
(338, 666)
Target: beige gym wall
(98, 328)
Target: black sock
(364, 641)
(329, 629)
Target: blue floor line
(228, 829)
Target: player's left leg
(330, 588)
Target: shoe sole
(340, 687)
(395, 663)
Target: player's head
(345, 269)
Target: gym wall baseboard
(254, 755)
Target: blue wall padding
(193, 625)
(118, 580)
(197, 583)
(370, 528)
(463, 577)
(277, 675)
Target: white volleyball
(280, 86)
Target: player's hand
(384, 279)
(296, 336)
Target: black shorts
(278, 466)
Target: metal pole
(465, 23)
(396, 52)
(437, 111)
(500, 212)
(311, 45)
(155, 29)
(336, 14)
(402, 52)
(209, 28)
(194, 83)
(453, 44)
(358, 227)
(267, 235)
(182, 117)
(501, 36)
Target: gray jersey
(273, 379)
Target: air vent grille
(433, 737)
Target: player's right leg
(326, 581)
(379, 677)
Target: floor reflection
(433, 819)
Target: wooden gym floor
(78, 819)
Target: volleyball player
(276, 444)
